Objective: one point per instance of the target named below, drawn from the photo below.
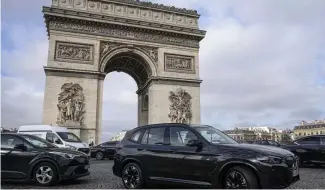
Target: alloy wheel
(131, 177)
(44, 174)
(99, 156)
(236, 180)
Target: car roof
(17, 134)
(28, 128)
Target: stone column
(99, 110)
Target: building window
(312, 133)
(316, 132)
(304, 133)
(321, 132)
(299, 134)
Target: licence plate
(295, 172)
(87, 167)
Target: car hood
(67, 151)
(266, 150)
(77, 144)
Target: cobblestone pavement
(101, 177)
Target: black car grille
(85, 150)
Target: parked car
(104, 150)
(28, 157)
(267, 143)
(200, 155)
(60, 136)
(310, 149)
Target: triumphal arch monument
(157, 45)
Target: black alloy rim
(236, 180)
(131, 177)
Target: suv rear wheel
(240, 177)
(132, 176)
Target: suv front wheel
(240, 177)
(45, 174)
(132, 176)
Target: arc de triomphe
(155, 44)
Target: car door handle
(140, 149)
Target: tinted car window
(273, 143)
(156, 135)
(145, 137)
(49, 137)
(38, 142)
(264, 142)
(180, 136)
(135, 137)
(309, 140)
(214, 136)
(10, 141)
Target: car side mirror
(192, 143)
(21, 147)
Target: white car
(59, 136)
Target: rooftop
(310, 126)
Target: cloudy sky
(262, 62)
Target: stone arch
(132, 52)
(85, 47)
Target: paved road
(101, 177)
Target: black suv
(310, 149)
(28, 157)
(104, 150)
(200, 155)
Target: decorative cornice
(169, 81)
(55, 71)
(125, 21)
(118, 31)
(157, 6)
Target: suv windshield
(214, 136)
(38, 142)
(69, 137)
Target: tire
(45, 174)
(301, 162)
(247, 178)
(132, 176)
(99, 156)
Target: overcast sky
(262, 62)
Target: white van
(60, 136)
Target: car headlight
(70, 147)
(270, 160)
(65, 155)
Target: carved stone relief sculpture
(180, 110)
(179, 63)
(71, 105)
(74, 52)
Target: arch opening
(137, 66)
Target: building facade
(316, 127)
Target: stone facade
(156, 45)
